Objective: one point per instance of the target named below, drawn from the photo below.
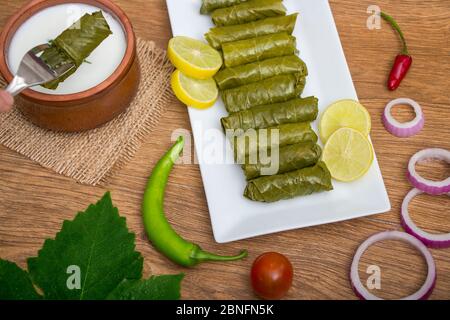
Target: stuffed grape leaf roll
(288, 158)
(229, 78)
(276, 89)
(270, 115)
(220, 35)
(255, 143)
(289, 185)
(211, 5)
(248, 11)
(257, 49)
(75, 44)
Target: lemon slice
(192, 92)
(344, 114)
(348, 154)
(194, 58)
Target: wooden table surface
(34, 201)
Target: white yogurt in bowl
(51, 22)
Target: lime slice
(348, 154)
(192, 92)
(344, 114)
(193, 57)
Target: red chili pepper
(402, 62)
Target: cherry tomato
(271, 275)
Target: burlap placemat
(92, 156)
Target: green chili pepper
(158, 229)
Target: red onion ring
(429, 186)
(429, 239)
(406, 129)
(422, 294)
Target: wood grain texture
(34, 201)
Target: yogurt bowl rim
(35, 6)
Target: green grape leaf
(15, 284)
(98, 243)
(93, 257)
(155, 288)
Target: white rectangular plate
(233, 216)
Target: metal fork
(34, 71)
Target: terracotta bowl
(84, 110)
